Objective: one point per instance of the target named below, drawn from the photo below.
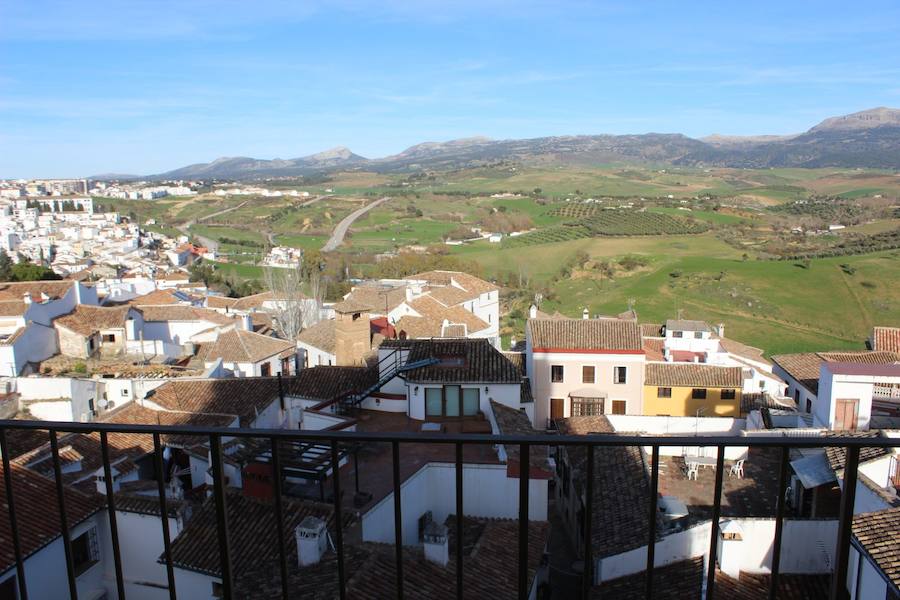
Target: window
(434, 402)
(698, 393)
(620, 374)
(265, 369)
(452, 395)
(618, 407)
(109, 337)
(663, 392)
(698, 335)
(355, 316)
(762, 384)
(808, 405)
(85, 551)
(587, 407)
(471, 401)
(587, 374)
(556, 373)
(217, 590)
(677, 334)
(124, 391)
(728, 395)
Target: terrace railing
(397, 440)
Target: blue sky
(135, 86)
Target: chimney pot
(26, 297)
(532, 312)
(311, 537)
(585, 314)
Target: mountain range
(866, 139)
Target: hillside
(866, 139)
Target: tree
(6, 264)
(293, 309)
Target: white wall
(864, 581)
(196, 586)
(310, 356)
(140, 545)
(36, 343)
(487, 492)
(807, 547)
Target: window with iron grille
(728, 394)
(620, 375)
(587, 374)
(587, 407)
(556, 373)
(663, 392)
(85, 551)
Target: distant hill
(866, 139)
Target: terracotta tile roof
(686, 325)
(243, 397)
(351, 306)
(240, 346)
(515, 422)
(87, 320)
(327, 383)
(12, 308)
(253, 301)
(837, 457)
(653, 348)
(81, 451)
(156, 298)
(450, 295)
(37, 512)
(469, 285)
(742, 350)
(180, 312)
(878, 533)
(684, 580)
(481, 362)
(804, 366)
(135, 414)
(681, 580)
(16, 290)
(321, 336)
(382, 299)
(489, 556)
(433, 315)
(518, 359)
(252, 527)
(651, 330)
(621, 489)
(585, 334)
(886, 338)
(693, 375)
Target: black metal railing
(525, 444)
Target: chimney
(437, 547)
(246, 323)
(101, 481)
(730, 553)
(532, 312)
(721, 330)
(312, 540)
(512, 342)
(352, 334)
(585, 314)
(26, 297)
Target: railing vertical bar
(111, 510)
(524, 467)
(845, 525)
(651, 517)
(11, 509)
(459, 520)
(587, 578)
(215, 447)
(717, 513)
(779, 523)
(279, 512)
(398, 518)
(338, 520)
(63, 518)
(164, 514)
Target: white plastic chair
(693, 470)
(737, 469)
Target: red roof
(382, 326)
(687, 356)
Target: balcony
(460, 575)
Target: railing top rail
(446, 438)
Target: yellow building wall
(682, 405)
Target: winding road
(208, 243)
(337, 236)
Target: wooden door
(556, 408)
(846, 414)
